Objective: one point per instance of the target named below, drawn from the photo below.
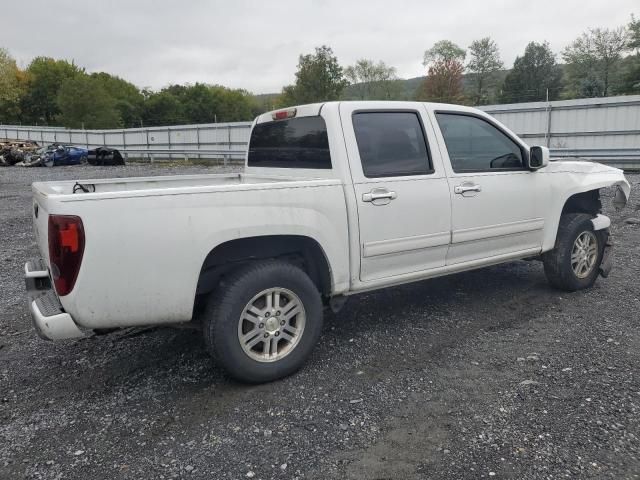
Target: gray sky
(255, 44)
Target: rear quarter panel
(144, 253)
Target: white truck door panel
(407, 234)
(496, 202)
(501, 218)
(404, 209)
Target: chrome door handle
(378, 195)
(460, 189)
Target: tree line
(58, 92)
(600, 62)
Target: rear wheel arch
(302, 251)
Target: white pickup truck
(335, 199)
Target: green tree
(199, 103)
(128, 98)
(443, 82)
(236, 105)
(592, 59)
(630, 66)
(12, 88)
(84, 102)
(162, 108)
(319, 78)
(371, 81)
(633, 37)
(533, 75)
(46, 77)
(444, 50)
(483, 65)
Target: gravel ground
(484, 374)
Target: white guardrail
(152, 154)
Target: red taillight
(284, 114)
(66, 247)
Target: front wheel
(263, 321)
(574, 263)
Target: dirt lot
(484, 374)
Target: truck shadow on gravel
(489, 299)
(374, 332)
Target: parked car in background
(13, 152)
(105, 156)
(65, 155)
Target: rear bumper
(49, 318)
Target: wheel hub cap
(271, 324)
(584, 254)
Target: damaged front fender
(570, 178)
(621, 197)
(581, 176)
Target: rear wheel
(574, 263)
(263, 321)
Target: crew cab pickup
(335, 198)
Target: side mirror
(538, 157)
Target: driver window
(474, 145)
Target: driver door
(495, 199)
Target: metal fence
(215, 140)
(602, 129)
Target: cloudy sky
(255, 44)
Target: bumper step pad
(49, 305)
(36, 269)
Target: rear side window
(475, 145)
(391, 144)
(293, 143)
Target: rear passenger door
(401, 191)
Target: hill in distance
(407, 88)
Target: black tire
(557, 262)
(226, 305)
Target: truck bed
(147, 238)
(165, 184)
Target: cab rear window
(294, 143)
